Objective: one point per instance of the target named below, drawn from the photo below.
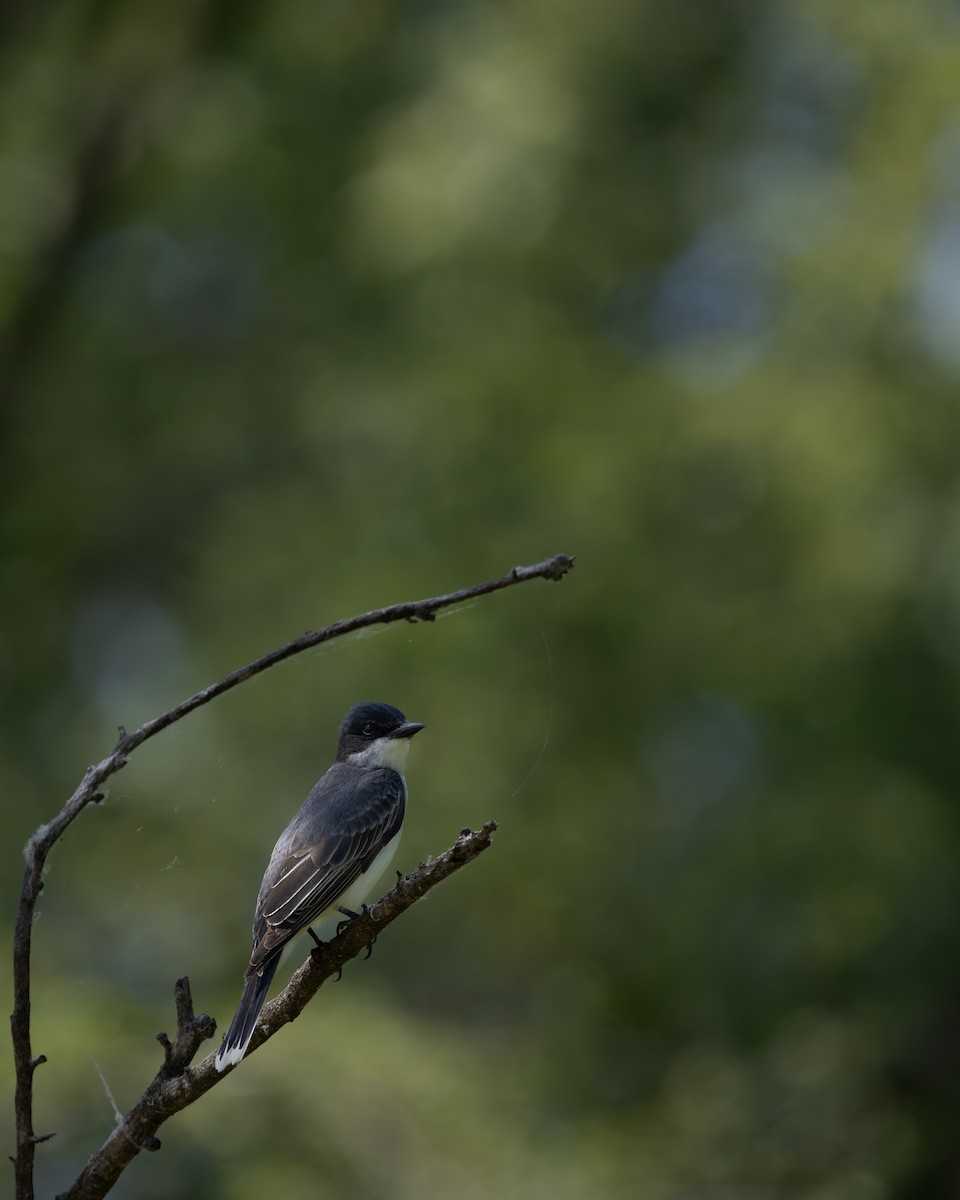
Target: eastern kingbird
(331, 854)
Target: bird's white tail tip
(229, 1056)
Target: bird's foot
(352, 916)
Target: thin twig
(46, 836)
(177, 1085)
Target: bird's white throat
(384, 752)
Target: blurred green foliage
(312, 307)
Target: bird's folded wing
(305, 889)
(312, 878)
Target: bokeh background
(310, 307)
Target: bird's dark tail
(238, 1036)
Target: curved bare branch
(87, 792)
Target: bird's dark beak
(407, 729)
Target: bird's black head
(367, 731)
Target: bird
(331, 854)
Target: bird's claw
(349, 917)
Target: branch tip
(559, 565)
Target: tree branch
(46, 836)
(177, 1085)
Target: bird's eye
(368, 730)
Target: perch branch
(177, 1085)
(87, 792)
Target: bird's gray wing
(333, 840)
